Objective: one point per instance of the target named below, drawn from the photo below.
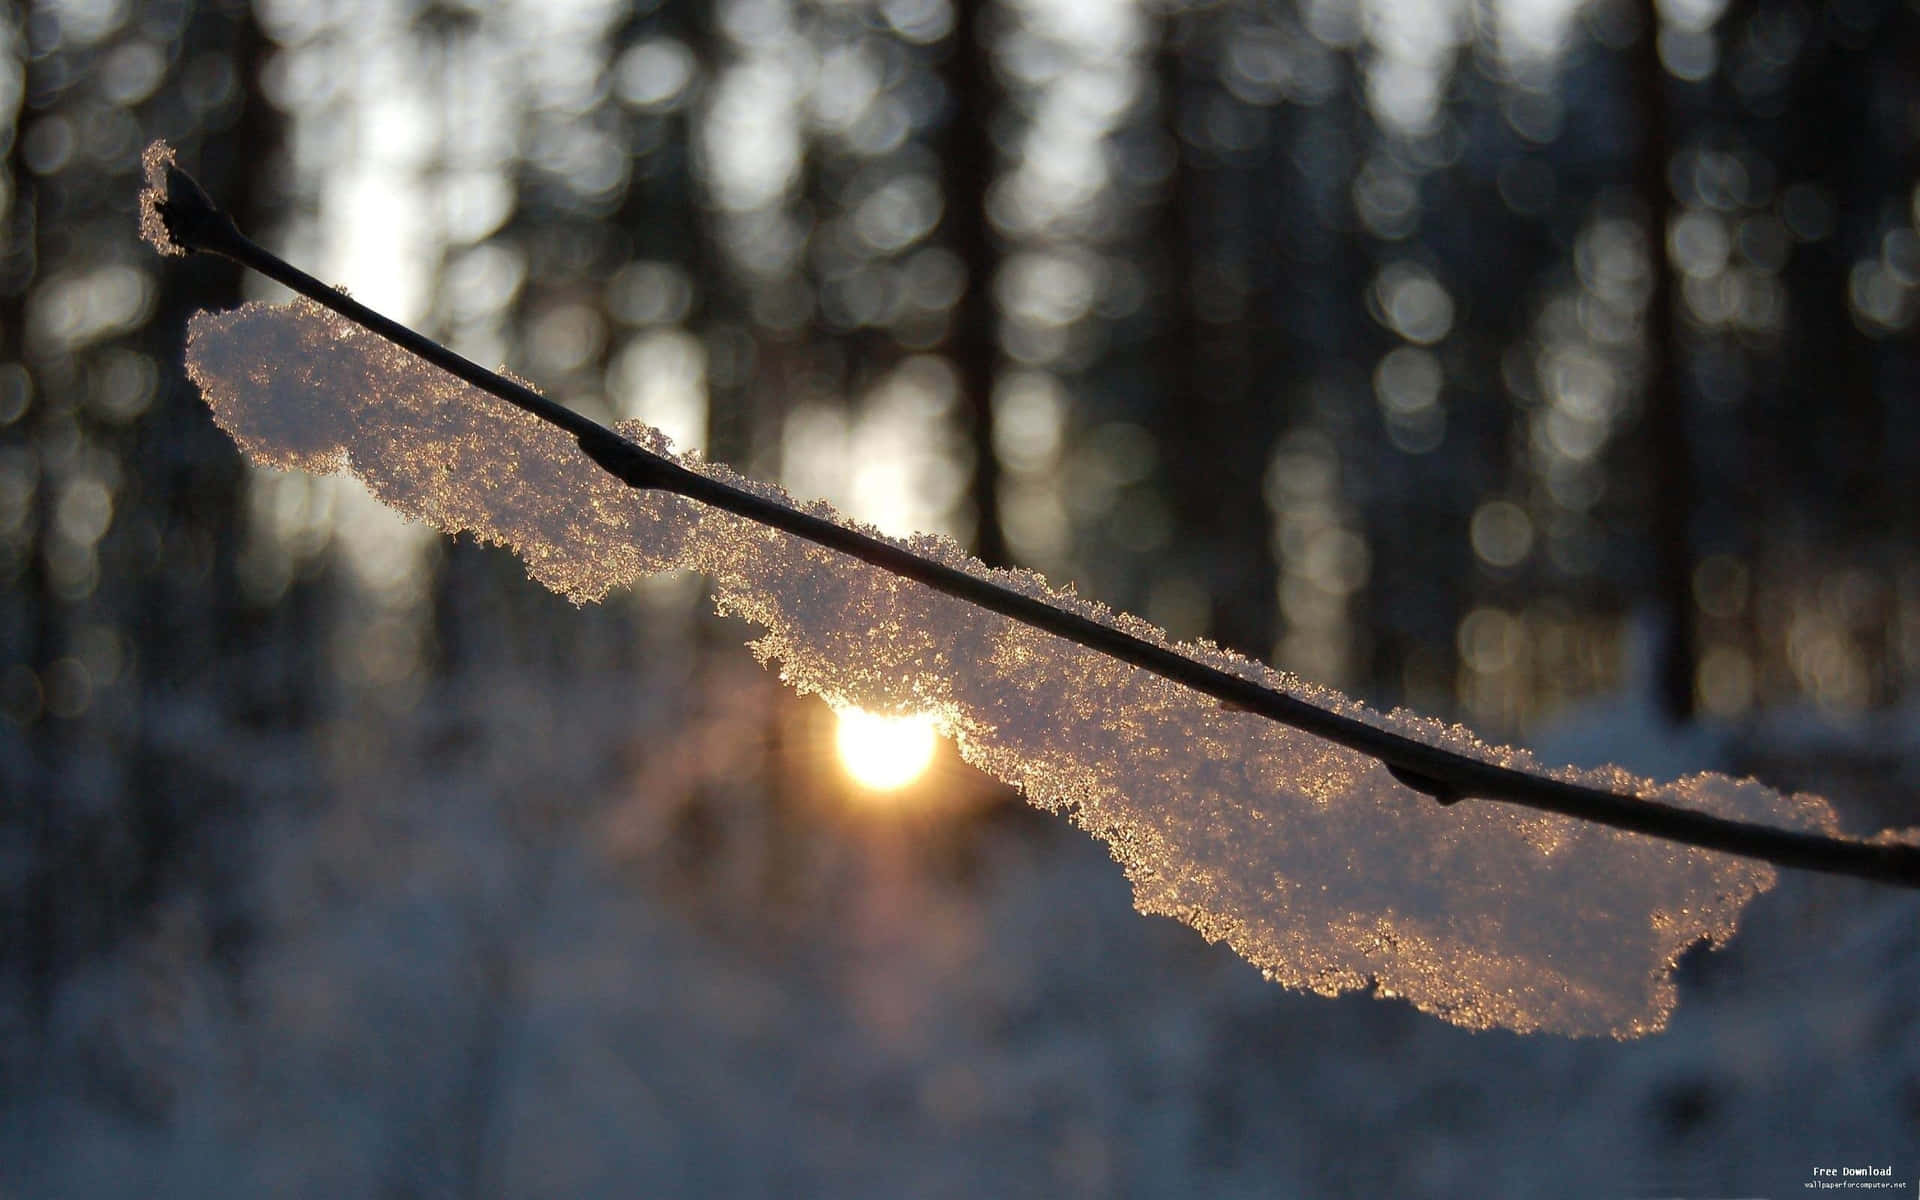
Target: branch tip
(177, 217)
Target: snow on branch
(1285, 819)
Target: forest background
(1543, 365)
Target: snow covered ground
(545, 941)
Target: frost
(1307, 858)
(154, 161)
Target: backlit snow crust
(1307, 858)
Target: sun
(884, 754)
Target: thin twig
(193, 222)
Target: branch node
(622, 459)
(1441, 791)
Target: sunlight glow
(884, 754)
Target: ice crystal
(154, 161)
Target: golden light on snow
(884, 754)
(1310, 859)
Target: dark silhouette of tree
(970, 164)
(35, 611)
(1221, 400)
(1665, 412)
(153, 574)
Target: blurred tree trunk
(1836, 423)
(1219, 407)
(718, 309)
(971, 164)
(196, 636)
(113, 796)
(35, 616)
(1669, 451)
(189, 475)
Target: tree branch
(189, 221)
